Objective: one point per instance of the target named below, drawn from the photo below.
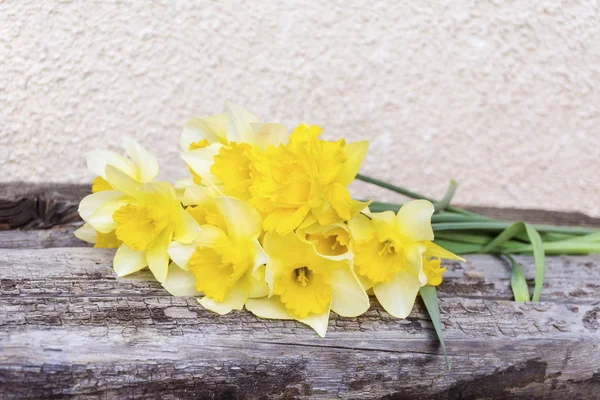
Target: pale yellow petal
(212, 128)
(434, 250)
(187, 229)
(240, 120)
(258, 285)
(86, 233)
(180, 282)
(122, 182)
(201, 160)
(398, 296)
(102, 219)
(234, 300)
(128, 261)
(97, 160)
(361, 228)
(196, 195)
(270, 134)
(157, 256)
(356, 153)
(243, 222)
(260, 256)
(146, 163)
(268, 307)
(318, 322)
(181, 253)
(348, 298)
(414, 220)
(414, 261)
(90, 203)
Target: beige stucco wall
(502, 96)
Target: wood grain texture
(68, 328)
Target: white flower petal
(97, 160)
(234, 300)
(128, 261)
(157, 256)
(398, 296)
(240, 120)
(91, 203)
(146, 163)
(348, 298)
(181, 253)
(180, 282)
(414, 220)
(243, 221)
(86, 233)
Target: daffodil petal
(260, 256)
(157, 256)
(398, 296)
(201, 160)
(234, 300)
(318, 322)
(102, 219)
(196, 195)
(128, 261)
(187, 229)
(434, 250)
(414, 220)
(239, 128)
(145, 161)
(86, 233)
(356, 153)
(414, 261)
(348, 298)
(284, 220)
(212, 128)
(180, 282)
(268, 307)
(258, 285)
(270, 134)
(181, 253)
(361, 227)
(90, 203)
(243, 222)
(122, 182)
(97, 160)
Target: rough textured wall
(500, 95)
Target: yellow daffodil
(389, 251)
(225, 260)
(226, 135)
(305, 181)
(145, 217)
(141, 166)
(305, 286)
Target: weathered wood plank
(68, 327)
(59, 236)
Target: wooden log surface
(70, 328)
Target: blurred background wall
(500, 95)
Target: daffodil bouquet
(264, 221)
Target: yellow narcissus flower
(145, 217)
(305, 286)
(141, 166)
(389, 251)
(332, 241)
(224, 261)
(227, 136)
(305, 181)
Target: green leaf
(445, 201)
(518, 283)
(458, 247)
(537, 246)
(540, 261)
(429, 296)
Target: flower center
(139, 225)
(303, 275)
(387, 248)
